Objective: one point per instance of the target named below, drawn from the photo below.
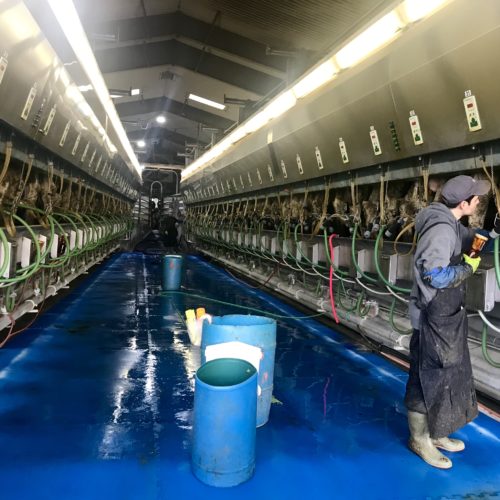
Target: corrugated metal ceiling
(222, 42)
(299, 24)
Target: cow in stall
(370, 211)
(476, 220)
(339, 222)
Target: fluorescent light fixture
(415, 10)
(255, 122)
(378, 34)
(207, 102)
(85, 88)
(280, 104)
(237, 135)
(315, 79)
(374, 37)
(141, 143)
(68, 19)
(116, 93)
(161, 119)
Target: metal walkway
(96, 402)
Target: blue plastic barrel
(225, 402)
(258, 331)
(171, 272)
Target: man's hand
(472, 261)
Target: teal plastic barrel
(171, 272)
(225, 402)
(258, 331)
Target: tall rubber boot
(449, 444)
(421, 443)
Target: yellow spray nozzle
(190, 314)
(200, 312)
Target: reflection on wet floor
(97, 398)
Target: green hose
(59, 261)
(76, 251)
(393, 324)
(5, 245)
(359, 310)
(485, 347)
(377, 265)
(52, 229)
(260, 311)
(32, 268)
(300, 250)
(10, 301)
(497, 260)
(338, 298)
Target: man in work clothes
(440, 394)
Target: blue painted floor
(96, 402)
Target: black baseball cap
(462, 187)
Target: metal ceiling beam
(161, 134)
(178, 54)
(157, 154)
(166, 105)
(178, 23)
(206, 47)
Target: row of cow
(338, 210)
(49, 192)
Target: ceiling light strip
(72, 28)
(207, 102)
(377, 35)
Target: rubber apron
(444, 362)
